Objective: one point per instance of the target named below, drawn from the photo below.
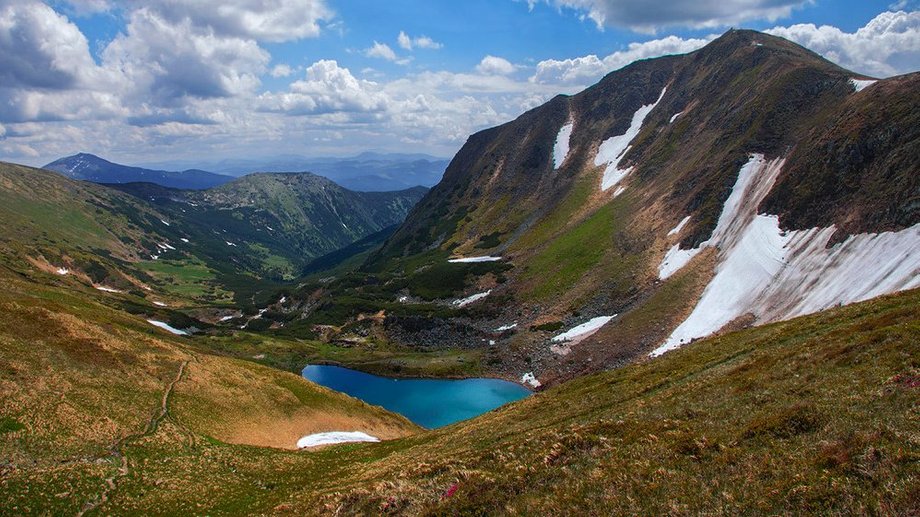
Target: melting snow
(167, 327)
(612, 150)
(531, 380)
(776, 275)
(680, 226)
(62, 271)
(675, 259)
(314, 440)
(506, 327)
(584, 330)
(561, 149)
(738, 211)
(473, 259)
(107, 289)
(470, 299)
(861, 84)
(674, 117)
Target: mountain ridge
(89, 167)
(668, 165)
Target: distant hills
(366, 172)
(89, 167)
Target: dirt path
(117, 450)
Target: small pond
(430, 403)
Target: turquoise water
(429, 403)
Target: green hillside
(813, 415)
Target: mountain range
(366, 172)
(705, 266)
(88, 167)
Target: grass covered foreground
(814, 415)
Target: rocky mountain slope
(747, 182)
(88, 167)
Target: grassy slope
(816, 414)
(81, 382)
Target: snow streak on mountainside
(612, 150)
(776, 275)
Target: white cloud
(887, 45)
(650, 15)
(165, 62)
(409, 43)
(382, 51)
(262, 20)
(281, 70)
(327, 88)
(40, 48)
(589, 69)
(492, 65)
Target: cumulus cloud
(492, 65)
(382, 51)
(327, 88)
(40, 48)
(409, 43)
(589, 69)
(281, 70)
(263, 20)
(650, 15)
(887, 45)
(165, 62)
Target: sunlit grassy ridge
(814, 415)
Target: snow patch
(530, 380)
(226, 318)
(463, 302)
(739, 210)
(680, 226)
(467, 260)
(675, 259)
(106, 289)
(332, 437)
(160, 304)
(230, 243)
(861, 84)
(62, 271)
(561, 149)
(184, 240)
(674, 117)
(167, 327)
(619, 191)
(584, 330)
(776, 275)
(164, 222)
(506, 327)
(612, 150)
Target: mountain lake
(430, 403)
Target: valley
(701, 274)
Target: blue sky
(169, 79)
